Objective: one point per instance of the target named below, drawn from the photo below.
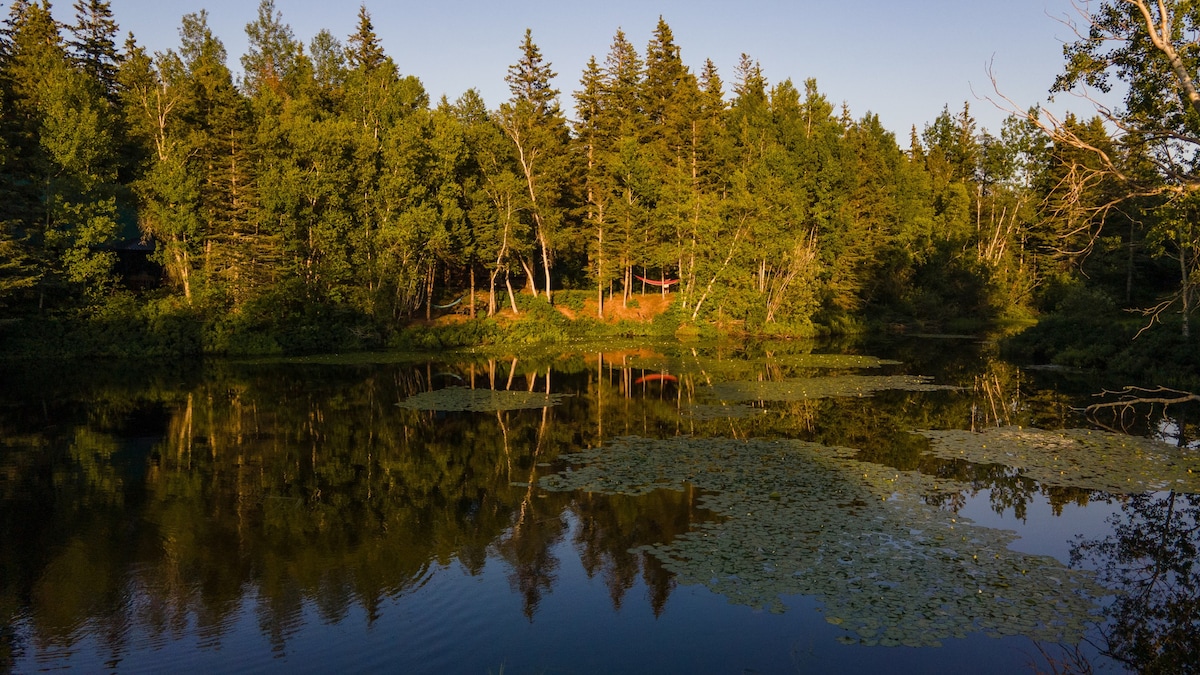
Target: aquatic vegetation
(831, 361)
(1079, 458)
(792, 517)
(703, 412)
(455, 399)
(808, 388)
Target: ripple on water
(425, 626)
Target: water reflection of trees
(611, 526)
(1151, 559)
(164, 502)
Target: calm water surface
(671, 508)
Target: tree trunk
(530, 277)
(512, 299)
(1161, 34)
(492, 292)
(1186, 290)
(429, 277)
(600, 272)
(1129, 266)
(546, 265)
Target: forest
(154, 203)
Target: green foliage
(572, 300)
(1085, 331)
(1159, 356)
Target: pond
(909, 506)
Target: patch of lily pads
(739, 368)
(703, 412)
(792, 517)
(809, 388)
(465, 399)
(1078, 458)
(831, 361)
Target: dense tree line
(324, 183)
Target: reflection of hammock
(657, 377)
(655, 282)
(451, 304)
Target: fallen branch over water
(1129, 398)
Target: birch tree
(535, 125)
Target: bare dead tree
(1148, 44)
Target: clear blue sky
(901, 60)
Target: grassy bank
(125, 329)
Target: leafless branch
(1128, 399)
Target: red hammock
(654, 282)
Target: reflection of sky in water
(1042, 532)
(1167, 431)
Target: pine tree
(364, 52)
(667, 90)
(624, 166)
(94, 43)
(31, 50)
(237, 255)
(590, 134)
(675, 115)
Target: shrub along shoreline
(1076, 336)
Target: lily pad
(1078, 458)
(455, 399)
(808, 388)
(800, 518)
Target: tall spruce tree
(364, 51)
(94, 43)
(590, 133)
(238, 256)
(672, 104)
(625, 161)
